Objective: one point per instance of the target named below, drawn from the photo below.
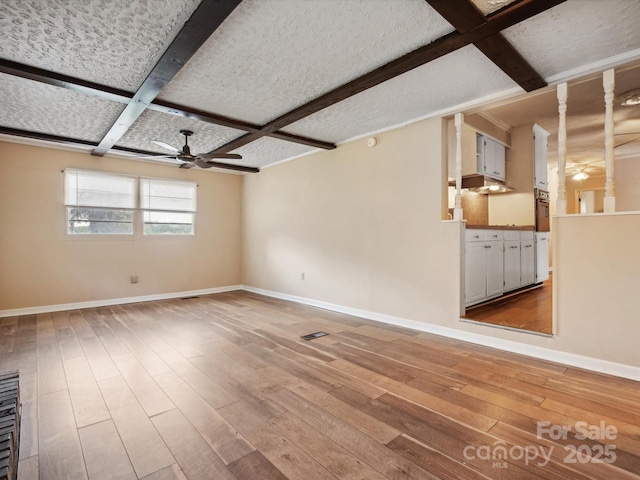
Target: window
(99, 203)
(168, 206)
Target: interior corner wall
(627, 178)
(363, 225)
(41, 265)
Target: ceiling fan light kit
(581, 175)
(630, 98)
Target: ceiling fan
(190, 160)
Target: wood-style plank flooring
(530, 310)
(222, 387)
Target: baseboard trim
(114, 301)
(566, 358)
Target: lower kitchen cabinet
(484, 267)
(512, 265)
(498, 261)
(527, 262)
(542, 256)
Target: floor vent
(311, 336)
(9, 425)
(189, 298)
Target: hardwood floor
(222, 387)
(531, 310)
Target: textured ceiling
(113, 42)
(37, 107)
(430, 88)
(577, 33)
(166, 128)
(272, 56)
(269, 57)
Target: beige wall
(363, 224)
(41, 265)
(627, 178)
(596, 284)
(517, 207)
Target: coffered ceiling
(271, 80)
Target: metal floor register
(9, 425)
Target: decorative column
(457, 211)
(561, 205)
(608, 82)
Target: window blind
(168, 206)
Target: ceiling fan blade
(167, 146)
(201, 163)
(212, 155)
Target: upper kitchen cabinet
(540, 136)
(481, 154)
(491, 157)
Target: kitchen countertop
(502, 227)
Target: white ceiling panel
(114, 42)
(438, 85)
(266, 151)
(576, 33)
(37, 107)
(271, 56)
(164, 127)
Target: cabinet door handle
(476, 236)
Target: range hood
(482, 184)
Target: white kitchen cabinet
(484, 265)
(527, 262)
(476, 272)
(480, 154)
(542, 256)
(498, 261)
(491, 157)
(540, 137)
(512, 265)
(495, 268)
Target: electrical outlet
(302, 276)
(134, 279)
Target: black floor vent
(9, 425)
(189, 298)
(311, 336)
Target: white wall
(40, 265)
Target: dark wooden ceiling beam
(465, 18)
(207, 17)
(64, 81)
(477, 32)
(87, 143)
(121, 96)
